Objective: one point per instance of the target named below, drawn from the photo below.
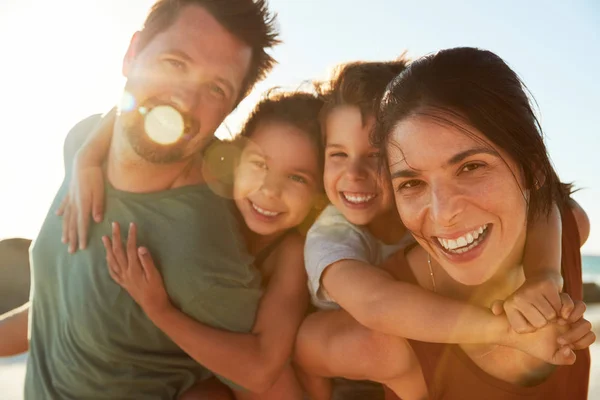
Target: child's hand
(534, 304)
(85, 199)
(135, 272)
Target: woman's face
(460, 195)
(277, 179)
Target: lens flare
(127, 102)
(164, 124)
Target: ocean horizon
(591, 268)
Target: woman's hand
(84, 200)
(135, 272)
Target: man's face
(182, 85)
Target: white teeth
(264, 212)
(470, 238)
(358, 198)
(464, 243)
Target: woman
(470, 170)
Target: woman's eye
(338, 154)
(409, 184)
(297, 178)
(471, 167)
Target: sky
(61, 61)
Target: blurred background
(61, 61)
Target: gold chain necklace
(494, 347)
(431, 272)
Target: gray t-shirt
(90, 340)
(333, 238)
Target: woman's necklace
(494, 347)
(431, 272)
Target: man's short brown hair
(248, 20)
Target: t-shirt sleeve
(328, 241)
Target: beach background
(61, 62)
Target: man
(88, 338)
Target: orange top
(451, 375)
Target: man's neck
(129, 172)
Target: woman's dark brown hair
(477, 87)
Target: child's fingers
(84, 204)
(72, 228)
(585, 342)
(578, 311)
(63, 205)
(497, 307)
(98, 202)
(117, 246)
(577, 331)
(132, 244)
(532, 315)
(114, 269)
(567, 306)
(65, 223)
(553, 297)
(517, 321)
(545, 308)
(147, 264)
(564, 356)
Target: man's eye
(176, 64)
(217, 90)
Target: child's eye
(259, 164)
(413, 183)
(297, 178)
(338, 154)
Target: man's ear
(132, 52)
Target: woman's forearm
(229, 354)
